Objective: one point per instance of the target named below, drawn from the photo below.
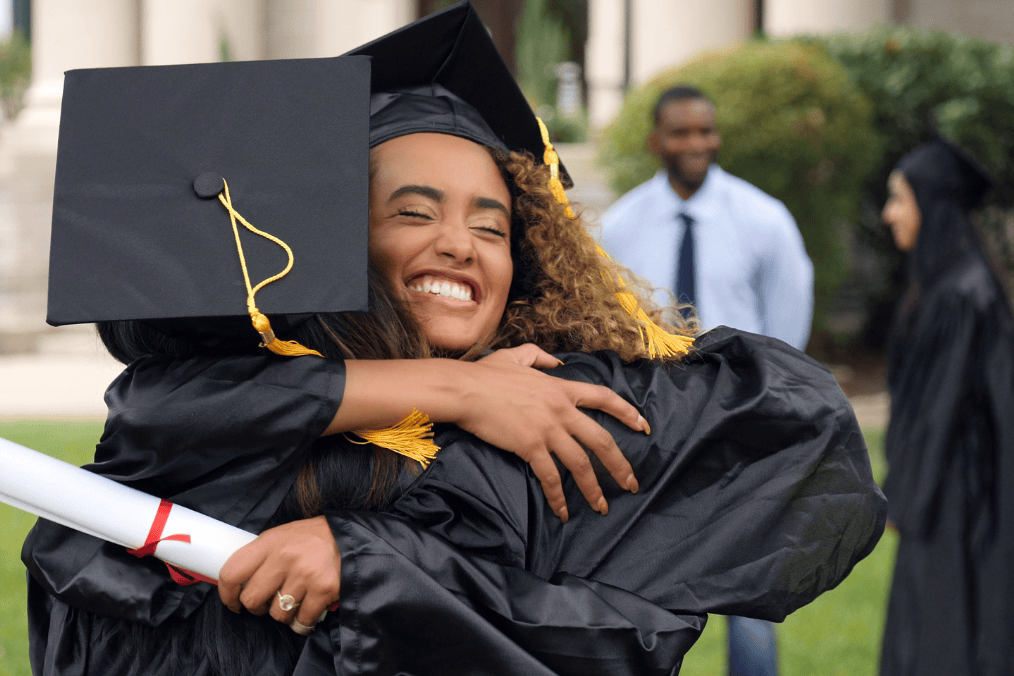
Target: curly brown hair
(571, 302)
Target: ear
(654, 143)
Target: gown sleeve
(223, 436)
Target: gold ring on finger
(286, 602)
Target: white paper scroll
(92, 504)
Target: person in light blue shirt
(749, 267)
(724, 246)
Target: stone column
(788, 17)
(67, 34)
(322, 28)
(604, 60)
(201, 31)
(671, 32)
(664, 33)
(987, 19)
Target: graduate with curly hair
(724, 472)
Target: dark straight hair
(338, 475)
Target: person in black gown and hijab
(950, 441)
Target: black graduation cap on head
(942, 169)
(142, 224)
(444, 74)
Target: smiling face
(686, 140)
(901, 212)
(440, 234)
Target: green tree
(15, 72)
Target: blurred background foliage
(15, 73)
(792, 123)
(918, 79)
(819, 122)
(545, 40)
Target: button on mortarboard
(209, 185)
(141, 229)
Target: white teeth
(438, 288)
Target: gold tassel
(286, 348)
(552, 160)
(412, 437)
(657, 342)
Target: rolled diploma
(93, 504)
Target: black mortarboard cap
(138, 230)
(444, 74)
(941, 168)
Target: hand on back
(514, 406)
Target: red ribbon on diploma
(180, 576)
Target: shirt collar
(698, 203)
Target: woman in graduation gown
(754, 491)
(950, 442)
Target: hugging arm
(506, 401)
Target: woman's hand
(522, 410)
(298, 559)
(504, 400)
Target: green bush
(915, 78)
(792, 123)
(542, 42)
(15, 72)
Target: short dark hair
(677, 93)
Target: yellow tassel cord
(659, 343)
(412, 437)
(286, 348)
(552, 160)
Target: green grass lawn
(73, 442)
(836, 635)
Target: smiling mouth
(442, 287)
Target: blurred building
(631, 40)
(628, 41)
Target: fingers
(598, 441)
(607, 401)
(576, 460)
(534, 356)
(529, 355)
(237, 570)
(545, 470)
(292, 572)
(321, 596)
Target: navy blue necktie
(686, 291)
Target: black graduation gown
(950, 447)
(756, 496)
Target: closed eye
(413, 214)
(493, 231)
